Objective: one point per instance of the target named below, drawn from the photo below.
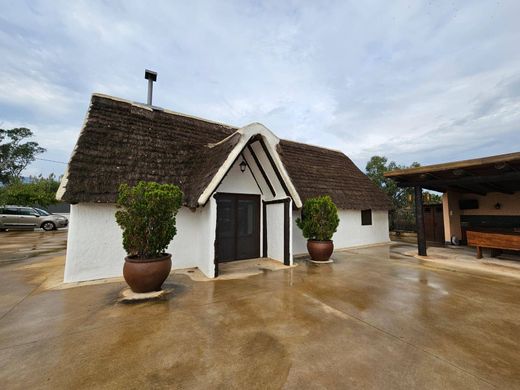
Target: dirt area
(375, 318)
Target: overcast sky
(414, 81)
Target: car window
(11, 211)
(42, 212)
(27, 211)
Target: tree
(402, 217)
(15, 154)
(40, 191)
(375, 169)
(431, 198)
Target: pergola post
(419, 220)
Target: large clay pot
(147, 275)
(320, 250)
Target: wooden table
(494, 239)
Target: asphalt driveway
(375, 319)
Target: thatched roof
(318, 171)
(124, 142)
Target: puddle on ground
(23, 245)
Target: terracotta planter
(147, 275)
(320, 250)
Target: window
(10, 211)
(366, 217)
(26, 211)
(42, 212)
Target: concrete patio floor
(374, 319)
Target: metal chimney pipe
(151, 76)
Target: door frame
(258, 228)
(286, 228)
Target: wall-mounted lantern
(498, 206)
(243, 166)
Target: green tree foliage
(39, 191)
(319, 219)
(148, 217)
(431, 198)
(15, 154)
(375, 170)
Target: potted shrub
(147, 217)
(319, 221)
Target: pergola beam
(486, 186)
(462, 181)
(509, 159)
(498, 188)
(466, 189)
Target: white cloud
(427, 82)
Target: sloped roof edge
(247, 133)
(64, 180)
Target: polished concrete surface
(374, 319)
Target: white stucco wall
(95, 248)
(94, 245)
(275, 231)
(238, 182)
(205, 238)
(266, 191)
(509, 205)
(350, 231)
(269, 171)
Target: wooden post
(419, 220)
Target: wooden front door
(433, 223)
(238, 227)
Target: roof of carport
(500, 173)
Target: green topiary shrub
(147, 217)
(319, 219)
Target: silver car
(18, 217)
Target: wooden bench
(494, 239)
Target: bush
(148, 217)
(39, 191)
(319, 219)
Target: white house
(243, 189)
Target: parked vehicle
(19, 217)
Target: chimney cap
(150, 75)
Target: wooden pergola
(499, 173)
